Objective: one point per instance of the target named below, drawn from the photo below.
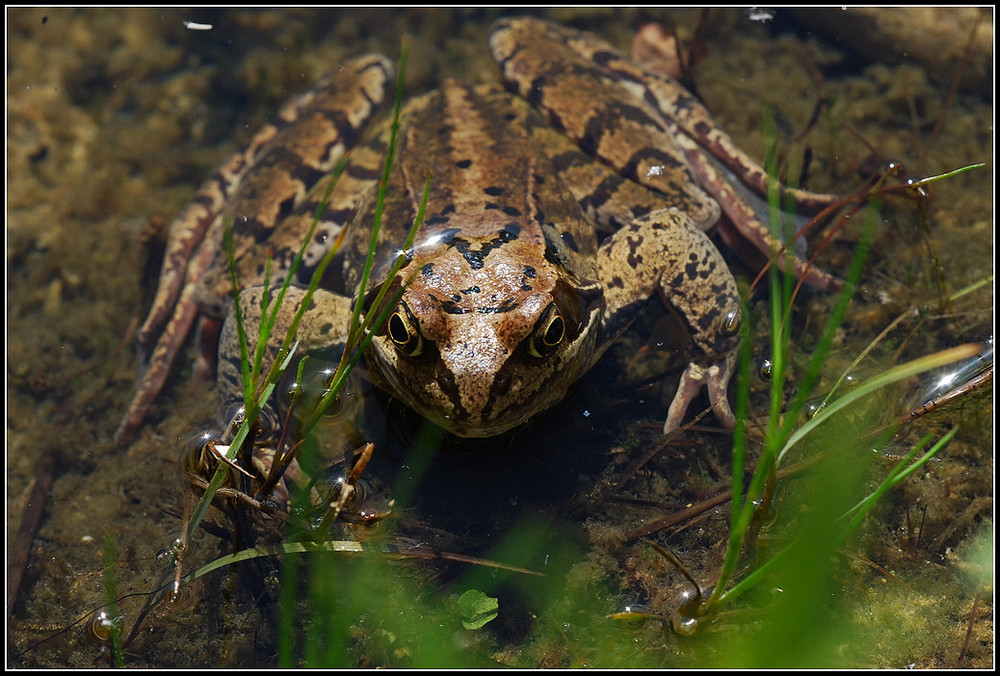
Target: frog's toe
(716, 379)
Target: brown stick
(30, 519)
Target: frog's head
(485, 360)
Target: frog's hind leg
(303, 143)
(736, 204)
(649, 89)
(156, 362)
(174, 306)
(187, 232)
(643, 124)
(719, 166)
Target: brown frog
(545, 232)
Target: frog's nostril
(501, 383)
(446, 379)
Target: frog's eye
(548, 333)
(403, 331)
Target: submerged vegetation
(810, 538)
(786, 519)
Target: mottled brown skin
(319, 125)
(543, 236)
(489, 280)
(512, 298)
(643, 124)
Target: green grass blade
(234, 285)
(893, 375)
(368, 329)
(293, 269)
(198, 513)
(835, 320)
(898, 474)
(383, 185)
(113, 618)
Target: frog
(560, 202)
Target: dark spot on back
(509, 232)
(453, 308)
(476, 257)
(505, 306)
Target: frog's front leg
(664, 250)
(324, 325)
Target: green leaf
(477, 608)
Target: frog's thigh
(325, 324)
(664, 250)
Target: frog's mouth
(470, 403)
(474, 430)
